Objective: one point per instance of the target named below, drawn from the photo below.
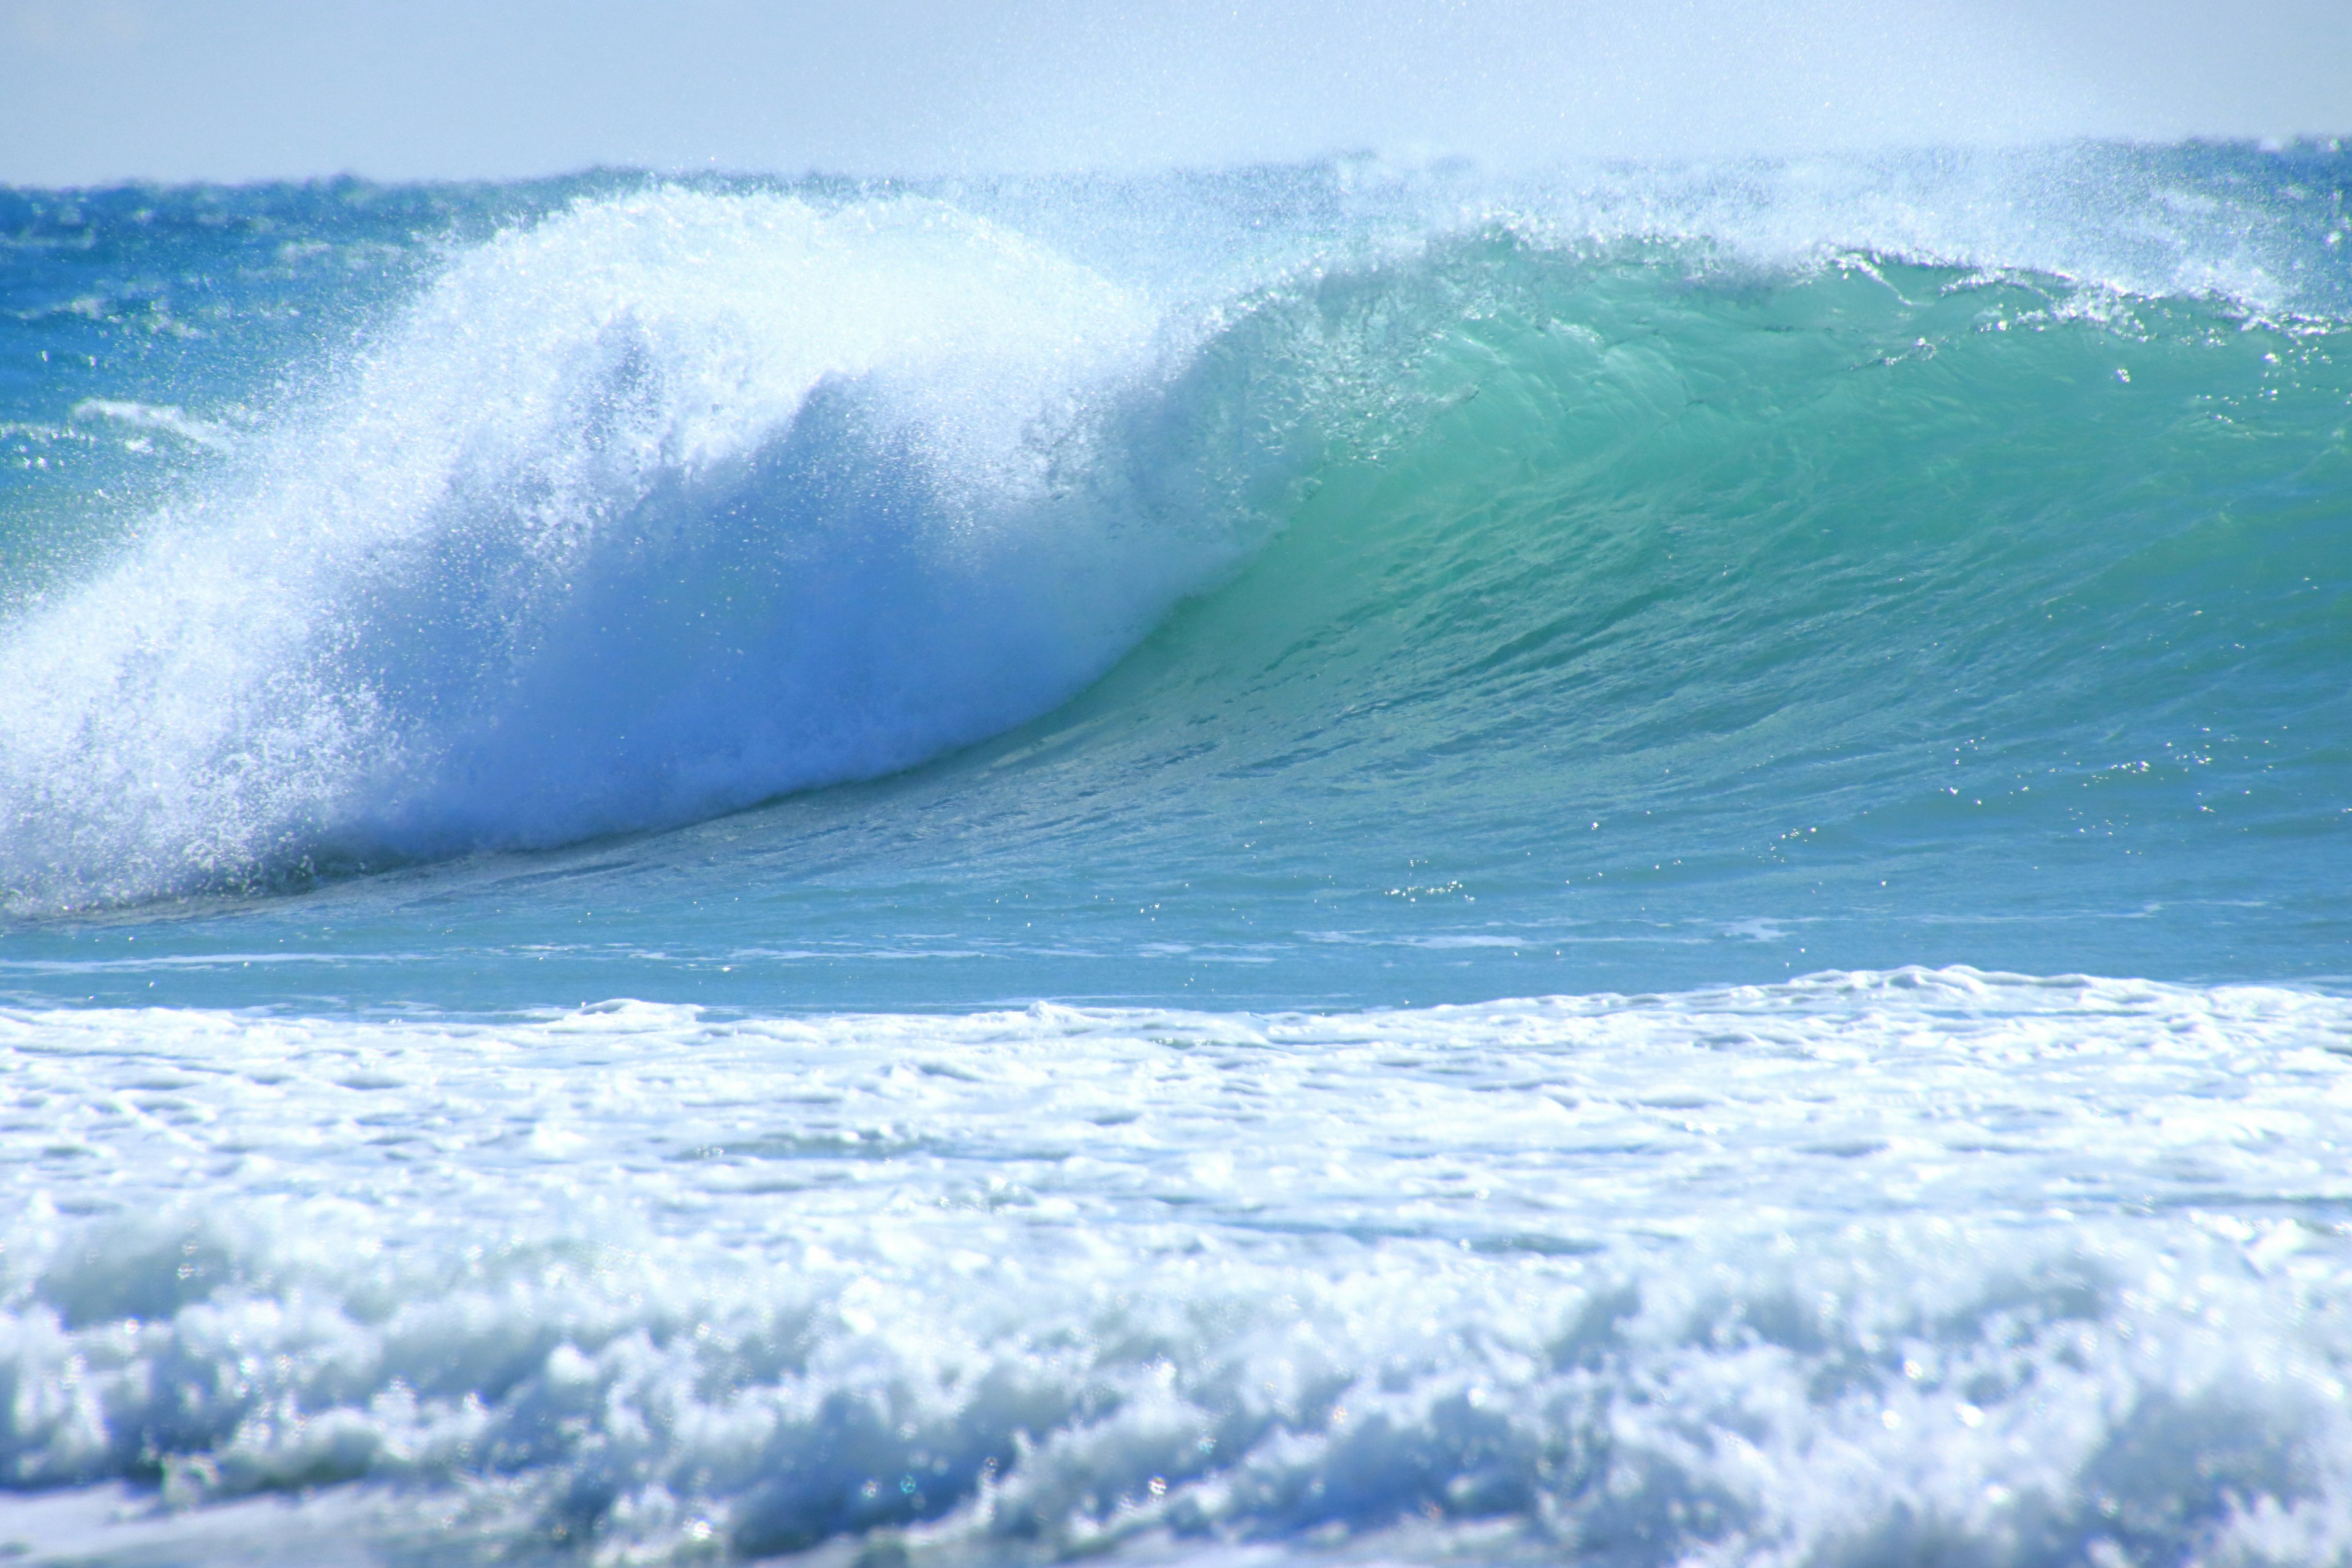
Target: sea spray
(661, 507)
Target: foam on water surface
(1862, 1267)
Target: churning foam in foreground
(658, 508)
(1923, 1266)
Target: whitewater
(1638, 865)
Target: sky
(94, 91)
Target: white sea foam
(170, 418)
(1867, 1267)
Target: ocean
(1344, 863)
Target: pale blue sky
(100, 89)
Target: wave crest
(666, 505)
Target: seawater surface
(697, 872)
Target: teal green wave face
(1841, 557)
(1548, 615)
(1889, 614)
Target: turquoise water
(753, 865)
(1878, 610)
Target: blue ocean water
(1644, 865)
